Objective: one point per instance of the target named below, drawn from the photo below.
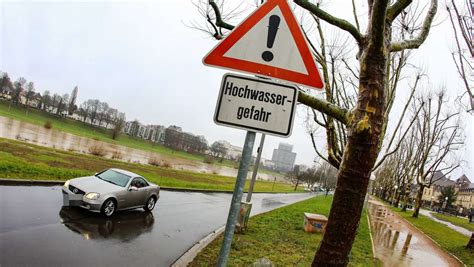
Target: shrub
(166, 164)
(154, 161)
(97, 150)
(117, 155)
(208, 159)
(48, 125)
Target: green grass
(446, 237)
(28, 161)
(461, 222)
(278, 236)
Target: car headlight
(66, 184)
(92, 196)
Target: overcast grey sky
(141, 58)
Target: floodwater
(35, 230)
(31, 133)
(397, 243)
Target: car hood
(94, 184)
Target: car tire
(150, 204)
(109, 207)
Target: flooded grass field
(54, 138)
(28, 161)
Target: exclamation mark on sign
(273, 24)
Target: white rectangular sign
(256, 105)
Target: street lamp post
(431, 205)
(445, 204)
(394, 194)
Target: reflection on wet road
(397, 243)
(126, 226)
(36, 230)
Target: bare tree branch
(219, 21)
(338, 113)
(417, 41)
(397, 8)
(340, 23)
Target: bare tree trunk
(364, 131)
(406, 197)
(297, 183)
(397, 198)
(470, 244)
(419, 194)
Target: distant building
(440, 182)
(233, 152)
(154, 133)
(6, 92)
(131, 127)
(463, 182)
(465, 198)
(283, 157)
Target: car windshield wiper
(111, 182)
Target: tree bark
(297, 183)
(419, 194)
(397, 198)
(406, 197)
(364, 129)
(470, 244)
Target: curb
(371, 238)
(191, 253)
(26, 182)
(434, 241)
(187, 257)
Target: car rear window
(114, 177)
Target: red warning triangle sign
(269, 43)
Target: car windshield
(114, 177)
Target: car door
(138, 197)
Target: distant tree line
(185, 141)
(91, 111)
(323, 176)
(96, 112)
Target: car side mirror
(133, 188)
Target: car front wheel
(150, 204)
(109, 207)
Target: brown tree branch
(417, 41)
(219, 22)
(397, 8)
(377, 24)
(340, 23)
(323, 106)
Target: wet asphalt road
(36, 230)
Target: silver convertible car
(109, 191)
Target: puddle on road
(34, 134)
(124, 226)
(398, 244)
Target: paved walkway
(456, 228)
(398, 243)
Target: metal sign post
(255, 169)
(236, 198)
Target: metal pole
(255, 168)
(236, 198)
